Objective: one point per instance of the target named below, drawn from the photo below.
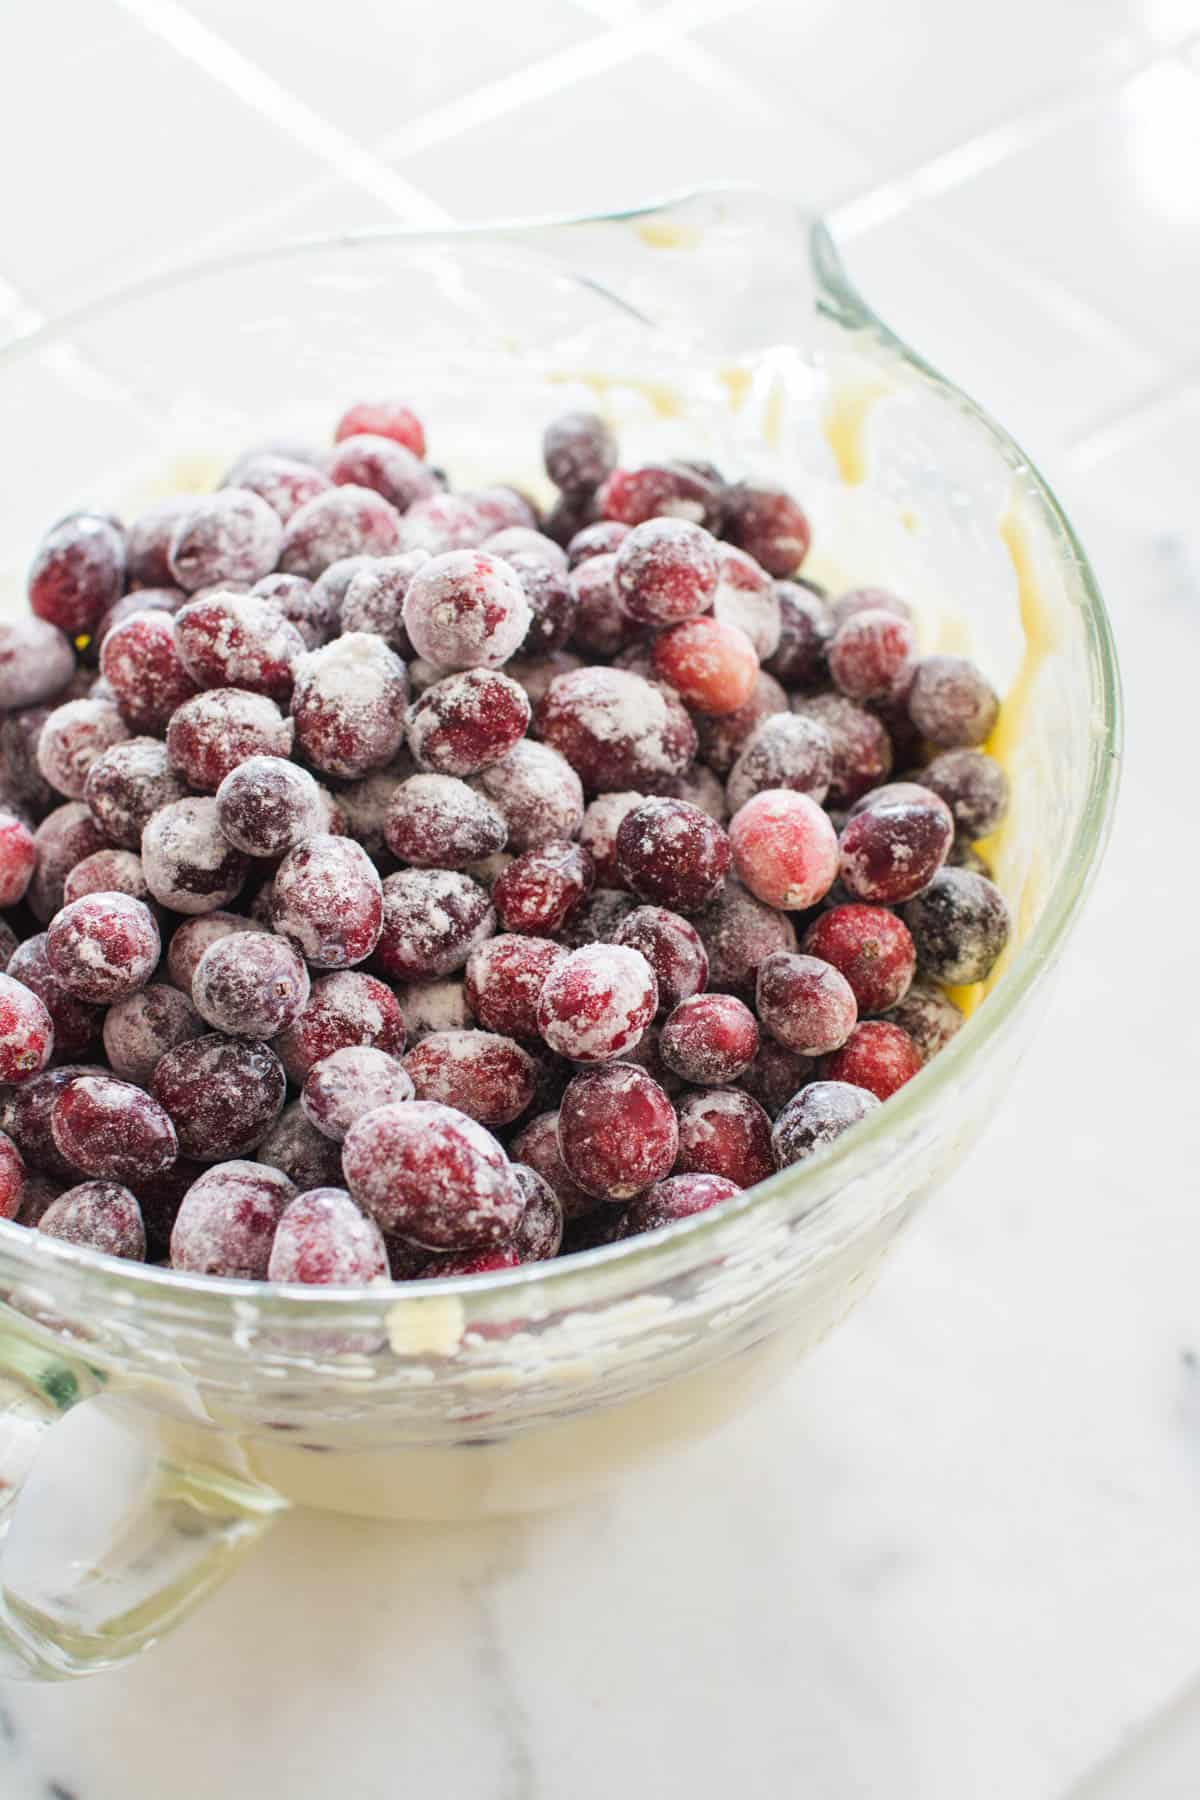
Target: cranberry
(103, 946)
(232, 535)
(660, 490)
(148, 541)
(432, 920)
(471, 1262)
(806, 1004)
(76, 1022)
(520, 545)
(787, 750)
(36, 660)
(504, 979)
(212, 733)
(597, 919)
(282, 482)
(223, 1094)
(537, 1145)
(112, 1130)
(552, 604)
(672, 854)
(374, 598)
(27, 1111)
(960, 925)
(974, 787)
(250, 984)
(666, 571)
(491, 1079)
(598, 834)
(383, 418)
(371, 460)
(784, 848)
(738, 931)
(18, 854)
(350, 1082)
(311, 612)
(107, 872)
(227, 1222)
(466, 609)
(867, 599)
(600, 539)
(579, 450)
(24, 787)
(617, 730)
(538, 1237)
(769, 525)
(709, 1039)
(348, 705)
(862, 751)
(877, 1056)
(99, 1215)
(951, 703)
(305, 1155)
(539, 888)
(141, 1028)
(872, 948)
(928, 1015)
(710, 664)
(437, 821)
(343, 1010)
(189, 864)
(324, 1239)
(596, 1004)
(13, 1186)
(538, 792)
(160, 600)
(63, 838)
(725, 1132)
(72, 738)
(78, 572)
(601, 626)
(871, 655)
(345, 521)
(816, 1117)
(467, 722)
(238, 640)
(329, 902)
(445, 522)
(890, 851)
(266, 806)
(433, 1176)
(617, 1132)
(193, 937)
(671, 946)
(678, 1197)
(723, 738)
(126, 784)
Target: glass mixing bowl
(721, 326)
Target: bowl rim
(214, 1301)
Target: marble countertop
(955, 1555)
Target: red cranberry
(445, 522)
(672, 854)
(371, 460)
(432, 920)
(467, 723)
(862, 751)
(678, 1197)
(25, 789)
(324, 1239)
(672, 947)
(725, 1132)
(709, 1039)
(806, 1004)
(383, 418)
(76, 1022)
(538, 1237)
(974, 787)
(373, 601)
(18, 854)
(189, 864)
(78, 572)
(214, 732)
(710, 664)
(816, 1117)
(501, 506)
(872, 948)
(266, 806)
(552, 604)
(596, 1005)
(877, 1056)
(227, 1222)
(769, 525)
(63, 838)
(538, 792)
(537, 1145)
(107, 872)
(311, 612)
(893, 849)
(329, 902)
(601, 626)
(437, 821)
(241, 641)
(231, 535)
(141, 1028)
(148, 541)
(666, 571)
(928, 1015)
(103, 946)
(787, 750)
(433, 1176)
(26, 1031)
(99, 1215)
(250, 984)
(784, 848)
(960, 925)
(491, 1079)
(600, 539)
(160, 600)
(746, 598)
(466, 609)
(305, 1155)
(14, 1195)
(223, 1094)
(27, 1110)
(348, 705)
(871, 655)
(617, 1132)
(738, 931)
(72, 738)
(350, 1082)
(344, 1009)
(193, 937)
(660, 490)
(617, 730)
(127, 784)
(504, 979)
(36, 660)
(951, 703)
(346, 521)
(539, 888)
(579, 450)
(112, 1130)
(282, 482)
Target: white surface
(956, 1557)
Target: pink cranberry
(862, 751)
(127, 784)
(160, 600)
(710, 664)
(738, 930)
(372, 460)
(212, 733)
(36, 660)
(806, 1004)
(678, 1197)
(600, 539)
(491, 1079)
(974, 787)
(112, 1130)
(538, 1237)
(148, 541)
(344, 1009)
(787, 750)
(433, 1176)
(816, 1117)
(190, 865)
(539, 888)
(501, 506)
(871, 656)
(350, 1082)
(504, 980)
(99, 1215)
(872, 948)
(960, 925)
(437, 821)
(951, 703)
(579, 450)
(672, 947)
(877, 1056)
(78, 572)
(107, 872)
(231, 535)
(250, 984)
(72, 738)
(617, 730)
(617, 1132)
(746, 598)
(601, 626)
(141, 1028)
(467, 722)
(193, 937)
(432, 920)
(349, 705)
(76, 1022)
(346, 521)
(723, 739)
(227, 1223)
(282, 482)
(537, 1145)
(725, 1132)
(666, 571)
(383, 418)
(240, 641)
(660, 490)
(305, 1155)
(329, 902)
(784, 849)
(445, 522)
(596, 1004)
(266, 806)
(709, 1039)
(324, 1239)
(928, 1015)
(769, 525)
(890, 851)
(538, 792)
(672, 854)
(103, 946)
(18, 854)
(223, 1094)
(13, 1186)
(465, 609)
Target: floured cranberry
(100, 1215)
(346, 521)
(349, 705)
(597, 919)
(18, 854)
(678, 1197)
(126, 784)
(383, 418)
(871, 655)
(601, 626)
(746, 597)
(672, 947)
(596, 1004)
(282, 482)
(324, 1239)
(724, 1132)
(141, 1028)
(232, 535)
(787, 750)
(598, 834)
(539, 793)
(617, 1132)
(960, 925)
(160, 600)
(877, 1056)
(433, 1176)
(228, 1219)
(738, 930)
(112, 1130)
(539, 888)
(328, 902)
(871, 947)
(103, 946)
(784, 848)
(250, 984)
(710, 664)
(660, 490)
(952, 703)
(78, 572)
(816, 1117)
(537, 1145)
(24, 788)
(465, 609)
(36, 660)
(189, 863)
(372, 460)
(350, 1082)
(223, 1094)
(599, 539)
(723, 738)
(63, 838)
(490, 1078)
(76, 1022)
(13, 1184)
(974, 787)
(240, 641)
(538, 1237)
(806, 1004)
(27, 1109)
(891, 850)
(148, 541)
(672, 854)
(769, 525)
(666, 571)
(266, 806)
(214, 732)
(374, 599)
(504, 979)
(305, 1155)
(467, 722)
(579, 450)
(552, 603)
(709, 1039)
(107, 872)
(862, 751)
(617, 730)
(312, 613)
(192, 938)
(72, 738)
(437, 821)
(521, 544)
(928, 1015)
(445, 522)
(344, 1009)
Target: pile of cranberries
(400, 882)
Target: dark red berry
(250, 984)
(349, 704)
(227, 1222)
(99, 1215)
(343, 1009)
(190, 865)
(709, 1039)
(871, 947)
(539, 888)
(816, 1117)
(437, 821)
(489, 1078)
(862, 751)
(951, 703)
(350, 1082)
(660, 490)
(433, 1176)
(72, 738)
(141, 1028)
(928, 1015)
(538, 792)
(769, 525)
(974, 787)
(223, 1094)
(324, 1239)
(76, 1022)
(806, 1004)
(678, 1197)
(78, 573)
(617, 1132)
(960, 925)
(617, 730)
(877, 1056)
(672, 947)
(725, 1132)
(345, 521)
(112, 1130)
(672, 854)
(579, 450)
(893, 849)
(328, 902)
(595, 1005)
(212, 733)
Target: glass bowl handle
(95, 1568)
